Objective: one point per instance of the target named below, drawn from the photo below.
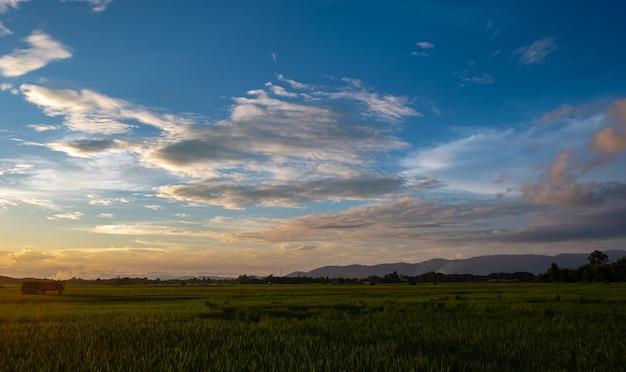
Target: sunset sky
(155, 138)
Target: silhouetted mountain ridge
(480, 265)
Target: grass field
(460, 327)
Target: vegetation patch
(443, 327)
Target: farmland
(473, 327)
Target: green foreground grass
(461, 327)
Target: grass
(457, 327)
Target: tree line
(598, 269)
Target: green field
(460, 327)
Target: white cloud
(16, 169)
(536, 52)
(96, 5)
(39, 202)
(465, 78)
(43, 127)
(425, 45)
(43, 51)
(67, 216)
(4, 30)
(90, 112)
(425, 49)
(6, 4)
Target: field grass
(460, 327)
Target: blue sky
(159, 138)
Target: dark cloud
(195, 151)
(94, 146)
(605, 223)
(239, 196)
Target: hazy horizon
(257, 138)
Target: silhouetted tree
(618, 270)
(598, 258)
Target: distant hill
(481, 265)
(9, 280)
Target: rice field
(425, 327)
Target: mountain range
(481, 265)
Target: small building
(36, 286)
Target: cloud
(96, 5)
(29, 255)
(270, 134)
(476, 224)
(386, 108)
(407, 219)
(6, 4)
(293, 194)
(39, 202)
(493, 29)
(425, 49)
(89, 148)
(536, 52)
(43, 51)
(43, 127)
(67, 216)
(561, 186)
(4, 30)
(598, 224)
(90, 112)
(16, 169)
(277, 147)
(425, 45)
(466, 78)
(562, 112)
(612, 140)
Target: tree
(598, 258)
(554, 273)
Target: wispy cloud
(425, 49)
(89, 112)
(96, 5)
(67, 216)
(493, 29)
(4, 30)
(536, 52)
(6, 4)
(466, 78)
(565, 111)
(43, 50)
(43, 127)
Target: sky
(219, 138)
